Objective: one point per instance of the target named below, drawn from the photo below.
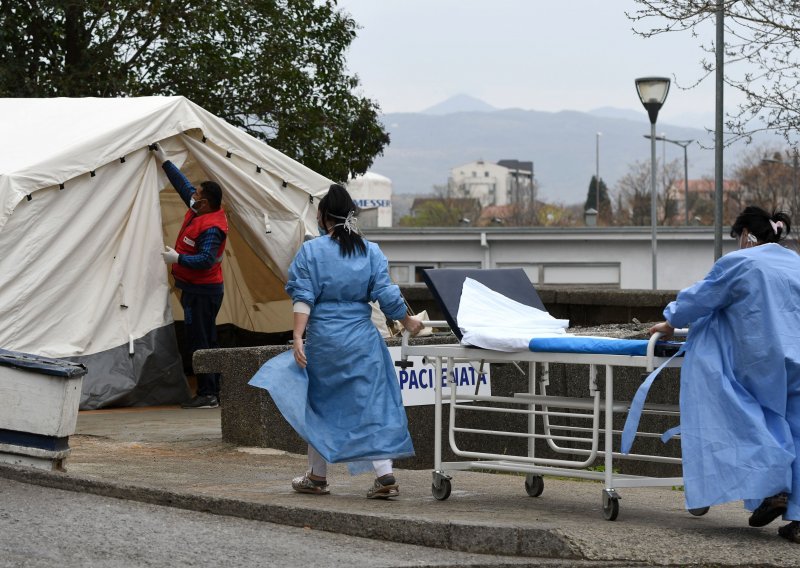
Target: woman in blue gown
(740, 380)
(338, 389)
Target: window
(486, 174)
(399, 274)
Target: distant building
(701, 198)
(522, 180)
(495, 215)
(556, 257)
(503, 183)
(701, 188)
(373, 194)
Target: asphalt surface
(43, 527)
(175, 457)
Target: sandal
(305, 484)
(384, 487)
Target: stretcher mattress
(499, 309)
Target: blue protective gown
(740, 381)
(347, 402)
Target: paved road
(44, 527)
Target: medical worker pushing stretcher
(338, 389)
(740, 381)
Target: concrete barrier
(250, 417)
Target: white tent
(85, 212)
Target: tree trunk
(74, 48)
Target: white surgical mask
(192, 202)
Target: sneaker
(383, 488)
(770, 509)
(305, 484)
(791, 531)
(209, 401)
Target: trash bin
(40, 398)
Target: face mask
(192, 202)
(322, 231)
(747, 242)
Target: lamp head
(652, 92)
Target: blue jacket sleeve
(300, 285)
(179, 181)
(710, 294)
(382, 290)
(208, 244)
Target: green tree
(443, 212)
(604, 213)
(275, 68)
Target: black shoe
(791, 531)
(770, 509)
(209, 401)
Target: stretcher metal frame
(536, 402)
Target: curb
(457, 536)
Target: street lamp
(683, 144)
(653, 92)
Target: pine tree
(604, 210)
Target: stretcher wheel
(534, 485)
(699, 512)
(443, 491)
(610, 508)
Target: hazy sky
(545, 55)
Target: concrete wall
(609, 257)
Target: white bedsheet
(490, 320)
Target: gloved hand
(412, 324)
(161, 156)
(170, 255)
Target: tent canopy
(85, 212)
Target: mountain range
(562, 145)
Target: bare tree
(523, 212)
(633, 194)
(766, 178)
(762, 56)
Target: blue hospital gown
(740, 381)
(347, 402)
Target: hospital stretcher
(582, 446)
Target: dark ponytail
(766, 228)
(338, 211)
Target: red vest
(193, 226)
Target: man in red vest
(196, 264)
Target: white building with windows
(509, 181)
(597, 257)
(373, 194)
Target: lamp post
(653, 92)
(683, 144)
